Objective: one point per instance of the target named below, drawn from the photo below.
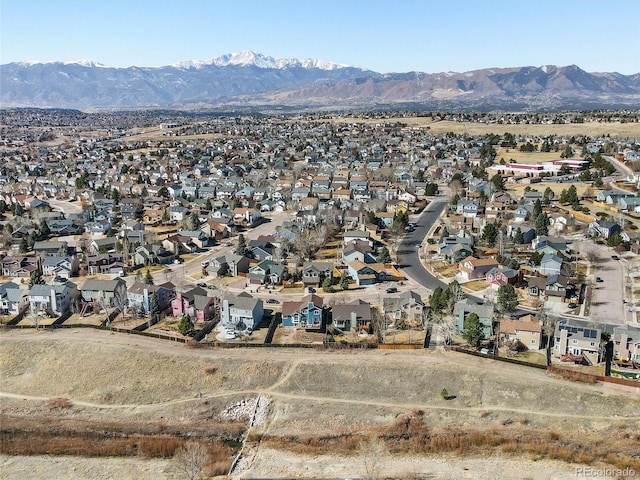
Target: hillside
(313, 395)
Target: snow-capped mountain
(249, 58)
(248, 79)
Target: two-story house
(53, 300)
(308, 313)
(241, 312)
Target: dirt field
(314, 394)
(615, 129)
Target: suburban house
(358, 250)
(578, 338)
(52, 300)
(314, 273)
(603, 228)
(107, 293)
(267, 271)
(498, 276)
(463, 308)
(527, 330)
(472, 268)
(550, 264)
(241, 312)
(309, 313)
(105, 263)
(63, 267)
(46, 248)
(19, 266)
(352, 316)
(139, 295)
(13, 299)
(195, 304)
(626, 341)
(408, 307)
(367, 273)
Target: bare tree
(372, 454)
(190, 459)
(34, 316)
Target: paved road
(408, 257)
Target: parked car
(572, 305)
(599, 279)
(615, 257)
(391, 290)
(273, 300)
(312, 290)
(202, 284)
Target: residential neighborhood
(300, 224)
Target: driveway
(607, 296)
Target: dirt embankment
(327, 399)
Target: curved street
(408, 251)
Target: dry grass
(475, 285)
(50, 436)
(443, 269)
(59, 403)
(517, 189)
(515, 155)
(410, 433)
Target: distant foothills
(249, 80)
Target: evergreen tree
(548, 195)
(542, 224)
(518, 237)
(490, 234)
(154, 308)
(241, 249)
(148, 278)
(184, 325)
(326, 285)
(138, 276)
(344, 281)
(537, 209)
(472, 330)
(507, 298)
(44, 229)
(383, 256)
(597, 182)
(36, 278)
(24, 246)
(498, 182)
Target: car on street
(615, 257)
(572, 305)
(599, 279)
(202, 285)
(391, 290)
(273, 300)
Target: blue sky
(382, 35)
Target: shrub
(59, 403)
(444, 394)
(210, 369)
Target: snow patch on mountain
(248, 58)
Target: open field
(323, 404)
(615, 129)
(515, 155)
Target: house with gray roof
(241, 312)
(53, 300)
(352, 316)
(109, 293)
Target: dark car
(615, 257)
(572, 305)
(273, 300)
(599, 279)
(392, 290)
(202, 285)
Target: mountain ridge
(251, 80)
